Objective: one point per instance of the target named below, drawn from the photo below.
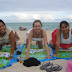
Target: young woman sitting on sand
(37, 34)
(8, 36)
(61, 37)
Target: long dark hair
(64, 22)
(37, 21)
(2, 22)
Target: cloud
(21, 15)
(69, 17)
(34, 16)
(30, 16)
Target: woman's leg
(26, 42)
(52, 45)
(39, 43)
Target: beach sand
(19, 67)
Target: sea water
(28, 25)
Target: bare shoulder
(44, 31)
(12, 33)
(58, 34)
(31, 32)
(58, 30)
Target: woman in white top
(61, 37)
(8, 36)
(37, 34)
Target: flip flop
(45, 65)
(54, 68)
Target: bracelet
(11, 55)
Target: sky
(30, 10)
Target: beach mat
(5, 52)
(35, 52)
(63, 53)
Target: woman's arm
(58, 37)
(13, 43)
(29, 44)
(45, 42)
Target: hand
(55, 55)
(49, 57)
(9, 58)
(27, 57)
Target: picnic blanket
(63, 53)
(40, 54)
(5, 52)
